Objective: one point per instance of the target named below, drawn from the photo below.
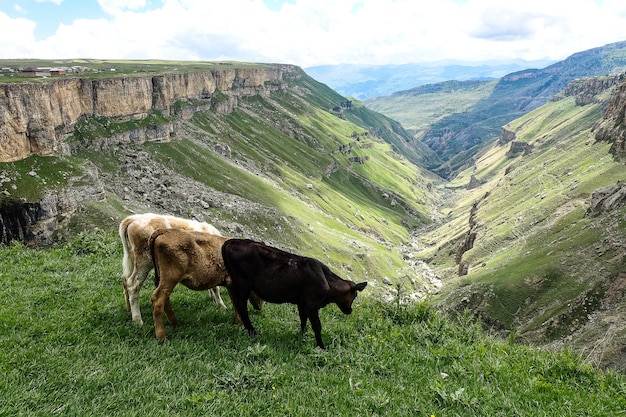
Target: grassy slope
(326, 212)
(419, 108)
(68, 347)
(285, 158)
(534, 265)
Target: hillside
(534, 242)
(264, 152)
(420, 107)
(459, 136)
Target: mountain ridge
(369, 81)
(458, 137)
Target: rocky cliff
(54, 117)
(612, 128)
(37, 118)
(36, 222)
(585, 90)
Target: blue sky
(309, 32)
(49, 15)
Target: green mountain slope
(459, 136)
(420, 107)
(538, 262)
(298, 168)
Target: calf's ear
(360, 286)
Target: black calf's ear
(360, 286)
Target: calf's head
(346, 297)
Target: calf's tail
(126, 259)
(151, 244)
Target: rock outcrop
(607, 199)
(36, 222)
(612, 127)
(38, 118)
(586, 90)
(469, 238)
(506, 136)
(518, 148)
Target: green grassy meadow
(421, 107)
(68, 347)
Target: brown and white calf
(193, 259)
(134, 231)
(277, 276)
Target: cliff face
(35, 222)
(37, 118)
(613, 127)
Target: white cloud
(316, 32)
(16, 37)
(115, 7)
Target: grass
(422, 106)
(68, 347)
(99, 68)
(31, 176)
(90, 130)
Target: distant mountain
(420, 107)
(367, 81)
(457, 137)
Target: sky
(309, 32)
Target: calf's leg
(170, 313)
(216, 297)
(133, 285)
(160, 304)
(240, 302)
(303, 317)
(126, 294)
(316, 324)
(233, 297)
(256, 301)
